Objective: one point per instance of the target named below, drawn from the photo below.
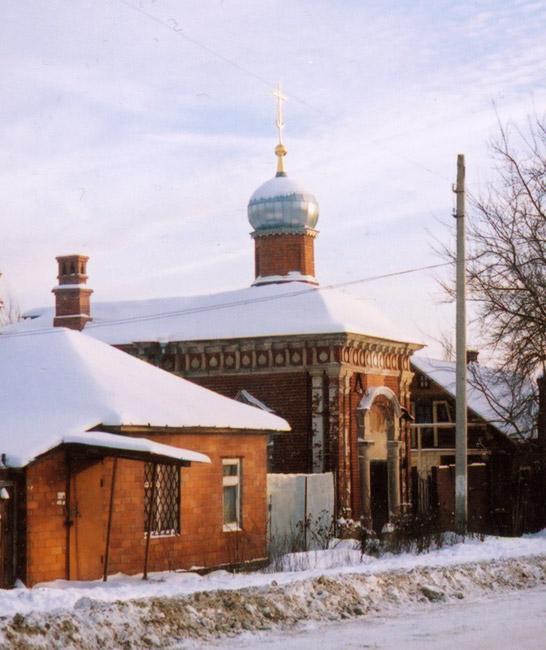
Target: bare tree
(510, 399)
(507, 244)
(506, 269)
(10, 311)
(506, 263)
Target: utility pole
(461, 492)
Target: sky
(135, 131)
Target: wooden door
(89, 517)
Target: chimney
(472, 356)
(72, 308)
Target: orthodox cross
(280, 99)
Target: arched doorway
(378, 417)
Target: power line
(174, 28)
(235, 303)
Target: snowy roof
(131, 445)
(488, 393)
(60, 384)
(267, 310)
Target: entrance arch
(378, 418)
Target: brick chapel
(325, 361)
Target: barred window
(166, 506)
(232, 493)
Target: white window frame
(233, 480)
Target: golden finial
(280, 149)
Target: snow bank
(175, 622)
(342, 560)
(127, 612)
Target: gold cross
(280, 99)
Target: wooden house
(497, 434)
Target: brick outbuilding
(112, 465)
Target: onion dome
(281, 204)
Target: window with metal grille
(166, 499)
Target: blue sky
(136, 131)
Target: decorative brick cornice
(332, 353)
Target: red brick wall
(288, 394)
(202, 541)
(280, 254)
(46, 532)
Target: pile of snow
(175, 622)
(345, 559)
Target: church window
(166, 499)
(231, 482)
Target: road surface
(511, 621)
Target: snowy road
(513, 621)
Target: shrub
(417, 533)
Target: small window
(166, 502)
(231, 481)
(423, 415)
(423, 381)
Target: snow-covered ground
(343, 559)
(170, 609)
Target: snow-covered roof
(60, 384)
(488, 392)
(133, 445)
(267, 310)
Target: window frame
(437, 427)
(230, 481)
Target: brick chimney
(472, 356)
(72, 308)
